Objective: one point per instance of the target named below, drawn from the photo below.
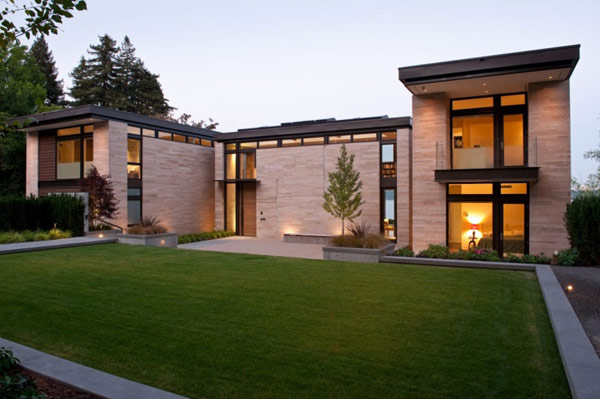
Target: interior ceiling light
(549, 77)
(485, 84)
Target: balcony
(476, 166)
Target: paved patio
(258, 246)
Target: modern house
(483, 162)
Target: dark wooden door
(249, 209)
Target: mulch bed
(57, 390)
(585, 297)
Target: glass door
(513, 229)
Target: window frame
(497, 111)
(81, 136)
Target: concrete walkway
(83, 377)
(52, 244)
(258, 246)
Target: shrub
(14, 384)
(148, 225)
(568, 257)
(12, 237)
(371, 241)
(359, 230)
(582, 220)
(479, 254)
(208, 235)
(64, 212)
(405, 251)
(434, 251)
(540, 259)
(374, 241)
(102, 202)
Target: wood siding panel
(47, 157)
(249, 209)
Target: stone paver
(82, 377)
(52, 244)
(258, 246)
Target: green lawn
(216, 325)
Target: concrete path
(82, 377)
(258, 246)
(52, 244)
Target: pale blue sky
(255, 63)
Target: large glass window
(88, 154)
(513, 140)
(68, 159)
(513, 229)
(470, 225)
(473, 142)
(389, 213)
(248, 165)
(134, 211)
(231, 164)
(388, 160)
(134, 159)
(230, 207)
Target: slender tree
(343, 198)
(44, 59)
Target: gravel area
(585, 297)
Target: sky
(257, 63)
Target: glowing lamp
(474, 218)
(100, 235)
(162, 242)
(569, 288)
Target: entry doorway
(240, 208)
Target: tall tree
(21, 92)
(94, 79)
(36, 18)
(343, 198)
(45, 60)
(114, 77)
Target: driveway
(258, 246)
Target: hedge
(42, 213)
(583, 225)
(207, 235)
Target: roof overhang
(481, 76)
(93, 114)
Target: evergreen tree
(94, 79)
(45, 60)
(343, 197)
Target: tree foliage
(40, 17)
(45, 61)
(102, 201)
(582, 220)
(115, 77)
(343, 198)
(592, 183)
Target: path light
(162, 242)
(569, 288)
(100, 235)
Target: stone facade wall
(31, 164)
(404, 187)
(292, 181)
(431, 127)
(110, 157)
(178, 185)
(549, 125)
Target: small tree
(343, 197)
(102, 201)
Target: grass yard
(215, 325)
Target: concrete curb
(581, 363)
(83, 377)
(474, 264)
(52, 244)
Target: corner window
(134, 159)
(388, 160)
(74, 152)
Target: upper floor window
(489, 132)
(74, 152)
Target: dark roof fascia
(317, 129)
(110, 114)
(502, 64)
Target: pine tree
(94, 79)
(343, 197)
(45, 60)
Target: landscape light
(569, 288)
(162, 242)
(100, 235)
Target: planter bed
(364, 255)
(168, 240)
(478, 264)
(308, 238)
(54, 389)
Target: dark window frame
(81, 136)
(498, 200)
(497, 111)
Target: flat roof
(555, 58)
(93, 113)
(316, 127)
